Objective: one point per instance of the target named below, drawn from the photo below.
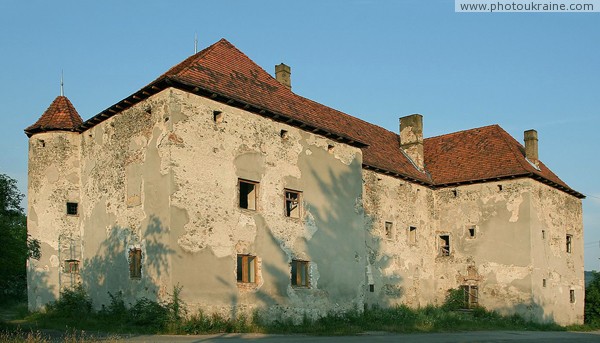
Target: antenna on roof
(62, 91)
(195, 42)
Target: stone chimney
(531, 146)
(282, 74)
(411, 138)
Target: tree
(16, 245)
(592, 301)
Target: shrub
(73, 303)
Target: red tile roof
(224, 73)
(485, 153)
(61, 115)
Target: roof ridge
(519, 157)
(462, 131)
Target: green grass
(73, 314)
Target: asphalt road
(462, 337)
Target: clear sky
(375, 59)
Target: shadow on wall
(348, 254)
(109, 269)
(529, 311)
(39, 291)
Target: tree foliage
(16, 245)
(592, 301)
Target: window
(135, 263)
(300, 273)
(71, 266)
(371, 288)
(543, 282)
(572, 295)
(389, 230)
(283, 134)
(292, 203)
(444, 243)
(569, 242)
(72, 208)
(246, 268)
(543, 234)
(248, 194)
(330, 148)
(472, 230)
(412, 235)
(471, 294)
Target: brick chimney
(531, 146)
(282, 74)
(411, 138)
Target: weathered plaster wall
(400, 268)
(53, 181)
(557, 214)
(126, 184)
(209, 228)
(497, 259)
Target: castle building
(216, 177)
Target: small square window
(246, 268)
(293, 202)
(472, 231)
(569, 243)
(71, 266)
(412, 235)
(572, 295)
(300, 273)
(248, 194)
(72, 208)
(389, 230)
(444, 245)
(135, 263)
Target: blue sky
(374, 59)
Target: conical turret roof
(61, 115)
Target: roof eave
(167, 82)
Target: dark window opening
(371, 288)
(217, 116)
(300, 273)
(543, 282)
(292, 203)
(471, 296)
(135, 263)
(569, 243)
(412, 235)
(543, 234)
(330, 148)
(71, 266)
(444, 243)
(389, 230)
(572, 295)
(472, 232)
(455, 192)
(248, 194)
(499, 188)
(283, 134)
(246, 268)
(72, 208)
